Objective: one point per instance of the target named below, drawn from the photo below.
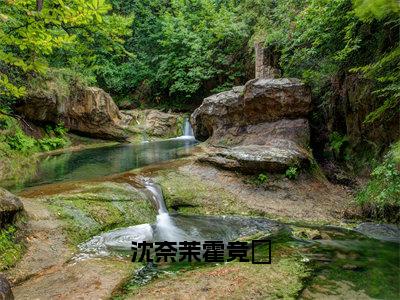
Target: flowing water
(187, 130)
(336, 255)
(368, 256)
(176, 228)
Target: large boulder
(88, 110)
(163, 124)
(10, 206)
(259, 101)
(261, 126)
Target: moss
(98, 207)
(179, 125)
(10, 250)
(371, 270)
(190, 195)
(283, 279)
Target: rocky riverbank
(255, 164)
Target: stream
(99, 162)
(367, 256)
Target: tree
(39, 5)
(31, 31)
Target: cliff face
(351, 100)
(88, 110)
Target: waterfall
(187, 130)
(165, 229)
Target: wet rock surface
(153, 122)
(384, 232)
(88, 110)
(10, 206)
(260, 126)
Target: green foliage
(375, 9)
(262, 178)
(15, 150)
(318, 40)
(199, 40)
(386, 71)
(257, 180)
(60, 130)
(10, 250)
(56, 138)
(13, 136)
(52, 143)
(338, 144)
(17, 141)
(182, 49)
(380, 198)
(20, 142)
(292, 172)
(63, 33)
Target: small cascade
(121, 239)
(175, 228)
(165, 228)
(156, 195)
(187, 130)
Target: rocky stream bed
(73, 249)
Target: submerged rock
(88, 110)
(261, 126)
(383, 232)
(10, 206)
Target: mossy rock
(189, 195)
(98, 207)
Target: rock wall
(351, 100)
(5, 289)
(88, 110)
(153, 123)
(267, 62)
(261, 126)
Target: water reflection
(98, 162)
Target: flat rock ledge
(274, 158)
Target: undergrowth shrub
(380, 198)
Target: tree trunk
(39, 5)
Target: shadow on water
(99, 162)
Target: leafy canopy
(30, 37)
